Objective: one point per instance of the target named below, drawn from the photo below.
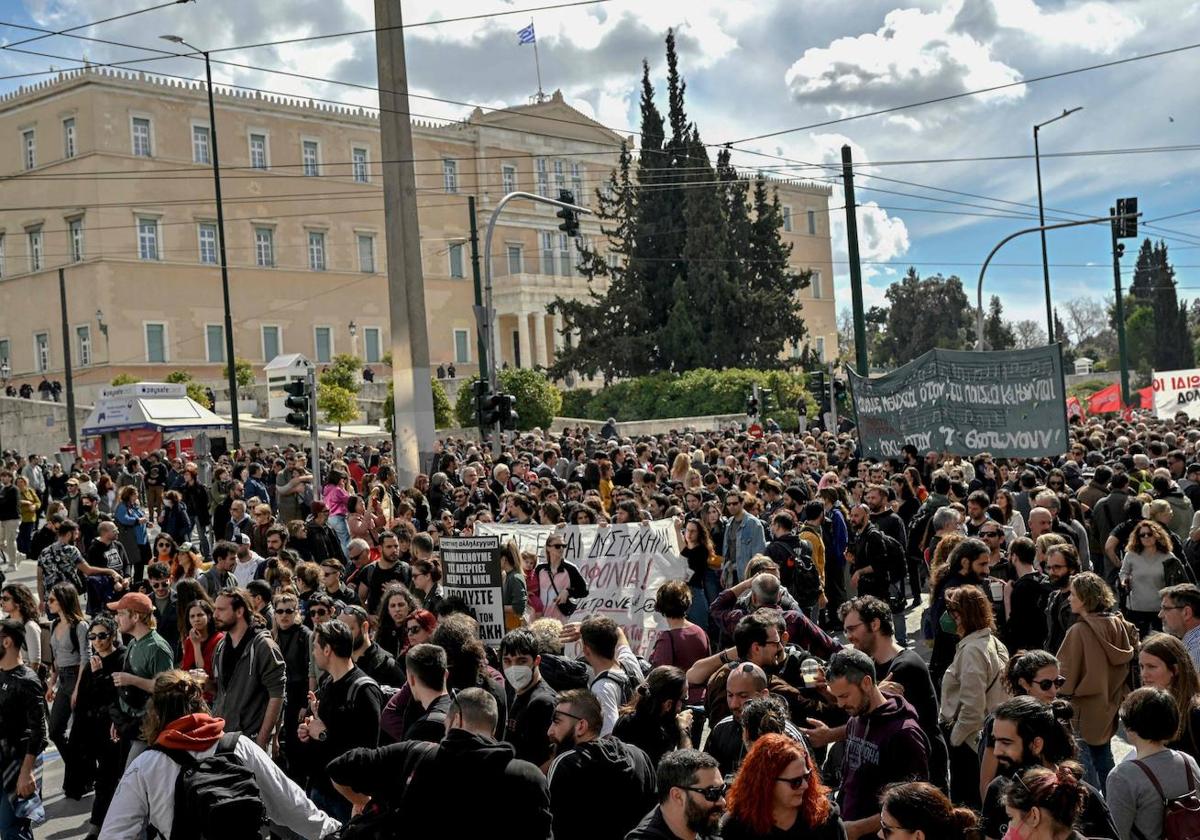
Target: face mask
(519, 676)
(947, 623)
(1014, 831)
(168, 503)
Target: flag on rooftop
(526, 36)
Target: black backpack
(895, 565)
(216, 797)
(803, 579)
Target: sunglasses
(986, 534)
(285, 611)
(160, 584)
(1144, 534)
(414, 629)
(795, 782)
(711, 794)
(1044, 685)
(95, 637)
(319, 612)
(554, 545)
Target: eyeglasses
(95, 637)
(796, 782)
(354, 557)
(414, 629)
(711, 794)
(1044, 685)
(160, 584)
(318, 612)
(554, 545)
(285, 611)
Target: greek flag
(526, 36)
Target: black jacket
(433, 803)
(381, 666)
(621, 770)
(529, 717)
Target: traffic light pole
(489, 320)
(833, 418)
(313, 437)
(1120, 309)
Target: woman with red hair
(778, 794)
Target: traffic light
(1127, 227)
(764, 394)
(508, 411)
(297, 403)
(1120, 250)
(751, 406)
(570, 221)
(480, 389)
(839, 389)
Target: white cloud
(1099, 27)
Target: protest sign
(1010, 403)
(471, 570)
(1176, 391)
(623, 565)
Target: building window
(547, 253)
(787, 219)
(316, 250)
(577, 182)
(29, 145)
(258, 151)
(200, 144)
(270, 342)
(456, 259)
(613, 260)
(359, 156)
(35, 248)
(371, 342)
(4, 351)
(450, 175)
(820, 348)
(366, 253)
(462, 347)
(311, 154)
(69, 137)
(41, 351)
(264, 247)
(3, 269)
(508, 178)
(207, 233)
(147, 238)
(141, 137)
(543, 183)
(156, 342)
(75, 234)
(514, 259)
(812, 222)
(323, 339)
(214, 342)
(797, 350)
(815, 284)
(560, 179)
(564, 255)
(83, 345)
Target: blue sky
(754, 67)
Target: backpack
(1181, 815)
(217, 797)
(626, 685)
(895, 566)
(1175, 571)
(805, 578)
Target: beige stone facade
(107, 175)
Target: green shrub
(538, 402)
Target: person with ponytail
(657, 718)
(778, 794)
(177, 720)
(919, 811)
(1044, 804)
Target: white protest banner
(623, 565)
(471, 570)
(1176, 391)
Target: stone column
(544, 339)
(523, 340)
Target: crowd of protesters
(293, 638)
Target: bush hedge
(538, 402)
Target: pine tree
(1153, 288)
(771, 287)
(997, 333)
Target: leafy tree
(342, 372)
(1063, 339)
(1168, 346)
(243, 372)
(924, 314)
(1028, 333)
(338, 405)
(195, 390)
(124, 379)
(538, 402)
(443, 414)
(997, 333)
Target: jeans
(335, 805)
(8, 539)
(12, 828)
(1097, 761)
(60, 716)
(338, 524)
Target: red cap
(135, 601)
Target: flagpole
(541, 97)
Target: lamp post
(104, 332)
(353, 327)
(1037, 160)
(216, 162)
(5, 375)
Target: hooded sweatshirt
(621, 770)
(1095, 657)
(883, 746)
(194, 733)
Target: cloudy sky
(755, 68)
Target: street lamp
(1037, 159)
(353, 327)
(103, 331)
(216, 161)
(5, 374)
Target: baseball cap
(136, 601)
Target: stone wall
(35, 426)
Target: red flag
(1147, 395)
(1105, 400)
(1074, 408)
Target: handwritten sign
(1176, 391)
(471, 570)
(1010, 403)
(623, 565)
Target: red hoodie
(194, 733)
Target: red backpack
(1181, 815)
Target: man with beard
(746, 682)
(373, 579)
(884, 741)
(1062, 562)
(370, 658)
(1029, 733)
(870, 574)
(248, 670)
(691, 799)
(587, 764)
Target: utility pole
(413, 422)
(481, 323)
(833, 417)
(68, 373)
(1037, 161)
(1120, 310)
(856, 292)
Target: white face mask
(519, 676)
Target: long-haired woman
(778, 794)
(17, 602)
(1011, 517)
(1165, 664)
(920, 811)
(200, 642)
(1143, 573)
(395, 606)
(657, 718)
(703, 579)
(68, 646)
(99, 757)
(131, 520)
